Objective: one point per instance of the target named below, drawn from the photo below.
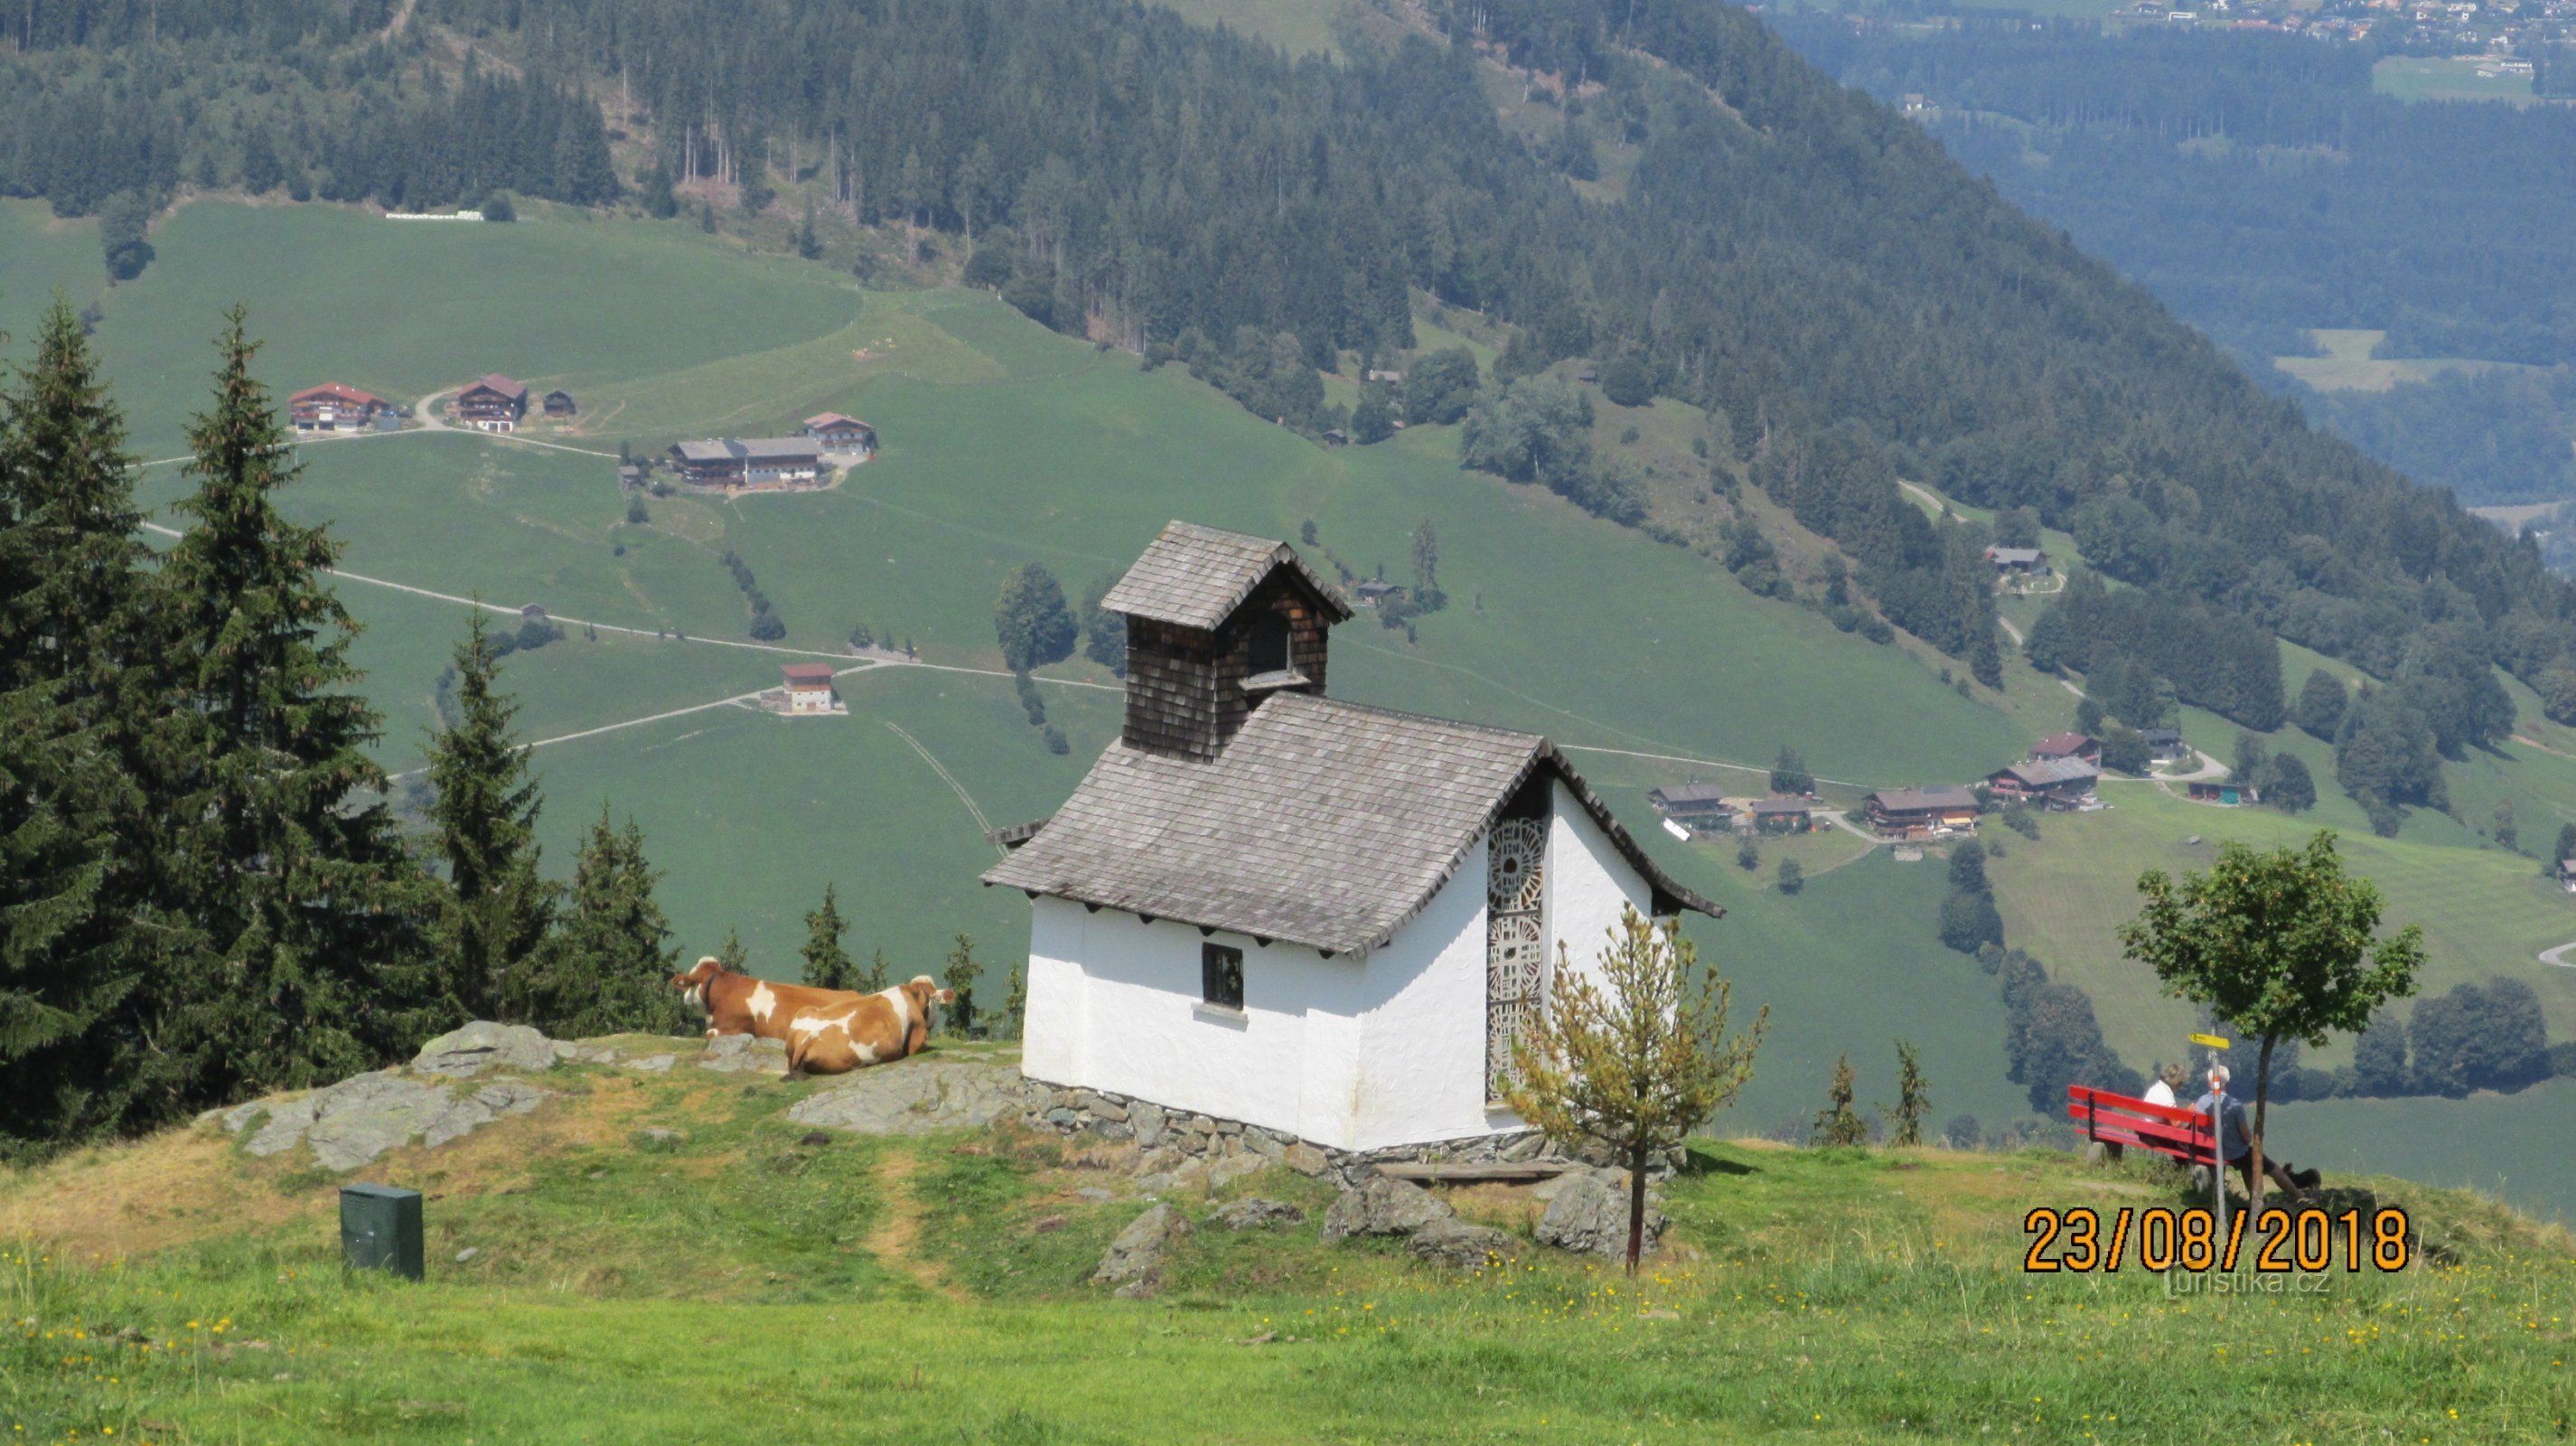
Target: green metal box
(380, 1229)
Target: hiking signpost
(2217, 1148)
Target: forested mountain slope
(1793, 255)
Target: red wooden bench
(2120, 1120)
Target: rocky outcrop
(743, 1054)
(1258, 1214)
(914, 1097)
(1135, 1260)
(482, 1045)
(1587, 1212)
(1383, 1206)
(353, 1122)
(1454, 1243)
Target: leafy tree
(1793, 876)
(1629, 382)
(1031, 620)
(2480, 1038)
(311, 910)
(1015, 1001)
(1969, 919)
(1426, 567)
(1373, 420)
(1635, 1059)
(827, 964)
(496, 912)
(1104, 633)
(1913, 1097)
(2566, 841)
(2287, 786)
(121, 226)
(496, 208)
(1748, 856)
(2379, 1058)
(2506, 836)
(2088, 716)
(1789, 773)
(2321, 703)
(1536, 429)
(2385, 758)
(608, 970)
(2280, 945)
(2124, 750)
(1441, 387)
(83, 935)
(1836, 1124)
(1968, 867)
(2057, 1041)
(1963, 1132)
(2253, 760)
(959, 976)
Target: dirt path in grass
(896, 1241)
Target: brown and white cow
(741, 1004)
(874, 1028)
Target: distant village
(2057, 775)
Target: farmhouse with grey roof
(1272, 906)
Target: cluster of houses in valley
(754, 464)
(494, 403)
(491, 403)
(2058, 774)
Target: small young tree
(1015, 1003)
(1793, 877)
(2279, 945)
(1748, 854)
(959, 976)
(879, 973)
(827, 964)
(1913, 1096)
(1789, 773)
(1836, 1123)
(732, 955)
(1635, 1061)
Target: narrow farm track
(949, 778)
(2557, 958)
(896, 1240)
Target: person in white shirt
(2162, 1091)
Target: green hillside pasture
(2348, 364)
(749, 814)
(2509, 1146)
(2484, 912)
(406, 308)
(1299, 27)
(733, 1282)
(2447, 77)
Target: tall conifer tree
(609, 967)
(497, 909)
(81, 932)
(827, 964)
(314, 964)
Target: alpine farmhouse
(1271, 907)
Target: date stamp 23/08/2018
(2080, 1240)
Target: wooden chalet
(493, 404)
(334, 407)
(2017, 559)
(2068, 745)
(560, 404)
(1781, 815)
(834, 432)
(1917, 812)
(747, 462)
(1375, 591)
(2059, 783)
(809, 688)
(1701, 806)
(2165, 743)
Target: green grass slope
(738, 1279)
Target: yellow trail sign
(2213, 1041)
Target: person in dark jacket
(2236, 1141)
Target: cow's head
(694, 983)
(925, 992)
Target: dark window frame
(1269, 645)
(1221, 977)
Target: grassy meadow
(1004, 444)
(2447, 77)
(741, 1278)
(2348, 365)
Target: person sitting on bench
(2237, 1144)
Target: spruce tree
(879, 973)
(496, 912)
(959, 976)
(311, 910)
(732, 955)
(608, 968)
(82, 934)
(827, 964)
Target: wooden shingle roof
(1323, 823)
(1196, 576)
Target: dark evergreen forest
(2259, 187)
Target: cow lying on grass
(826, 1031)
(866, 1029)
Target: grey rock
(1105, 1108)
(1588, 1214)
(913, 1097)
(468, 1253)
(1114, 1130)
(1191, 1176)
(1148, 1120)
(742, 1054)
(566, 1049)
(1258, 1214)
(1235, 1167)
(284, 1127)
(658, 1137)
(1158, 1183)
(481, 1045)
(1134, 1261)
(1458, 1245)
(1261, 1143)
(1229, 1127)
(1063, 1118)
(658, 1064)
(1527, 1147)
(463, 1116)
(360, 1118)
(1094, 1192)
(1383, 1206)
(1305, 1159)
